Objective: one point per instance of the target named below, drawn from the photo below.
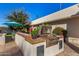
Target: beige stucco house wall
(63, 18)
(70, 24)
(65, 13)
(73, 27)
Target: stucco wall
(2, 39)
(25, 46)
(64, 26)
(72, 26)
(60, 23)
(31, 50)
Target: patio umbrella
(14, 24)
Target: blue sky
(34, 10)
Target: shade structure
(14, 24)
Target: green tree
(19, 17)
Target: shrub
(64, 33)
(58, 31)
(35, 32)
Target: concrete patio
(10, 49)
(68, 52)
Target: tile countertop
(28, 38)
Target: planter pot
(8, 38)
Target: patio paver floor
(10, 49)
(68, 52)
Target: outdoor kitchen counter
(39, 46)
(28, 38)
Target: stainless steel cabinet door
(40, 50)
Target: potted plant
(8, 37)
(35, 32)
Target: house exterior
(63, 18)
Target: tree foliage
(18, 16)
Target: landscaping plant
(58, 31)
(19, 17)
(35, 32)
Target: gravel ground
(68, 52)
